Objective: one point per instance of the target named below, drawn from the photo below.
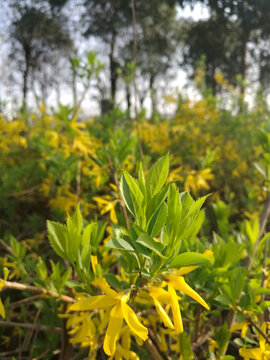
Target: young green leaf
(151, 244)
(157, 176)
(189, 259)
(158, 221)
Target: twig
(7, 247)
(23, 192)
(78, 179)
(153, 350)
(35, 289)
(258, 329)
(41, 355)
(198, 321)
(24, 301)
(55, 330)
(30, 333)
(200, 341)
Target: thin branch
(258, 329)
(153, 350)
(55, 330)
(24, 301)
(23, 192)
(7, 247)
(37, 290)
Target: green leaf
(253, 230)
(57, 236)
(151, 244)
(262, 291)
(155, 202)
(261, 169)
(125, 192)
(185, 346)
(158, 221)
(189, 259)
(135, 196)
(157, 176)
(118, 243)
(141, 180)
(74, 223)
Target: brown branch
(22, 192)
(153, 350)
(258, 329)
(78, 179)
(37, 290)
(7, 247)
(55, 330)
(24, 301)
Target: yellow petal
(179, 283)
(244, 330)
(94, 302)
(113, 330)
(254, 353)
(159, 293)
(261, 338)
(162, 313)
(94, 262)
(105, 287)
(2, 310)
(178, 325)
(186, 270)
(125, 338)
(113, 216)
(133, 322)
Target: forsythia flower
(175, 281)
(119, 311)
(261, 353)
(107, 204)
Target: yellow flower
(2, 310)
(261, 353)
(107, 204)
(243, 326)
(119, 311)
(178, 283)
(212, 345)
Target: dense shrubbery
(127, 259)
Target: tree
(244, 21)
(108, 21)
(38, 38)
(111, 21)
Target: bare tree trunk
(152, 93)
(113, 67)
(128, 97)
(243, 65)
(26, 76)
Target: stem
(259, 330)
(55, 330)
(35, 289)
(78, 179)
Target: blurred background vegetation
(89, 88)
